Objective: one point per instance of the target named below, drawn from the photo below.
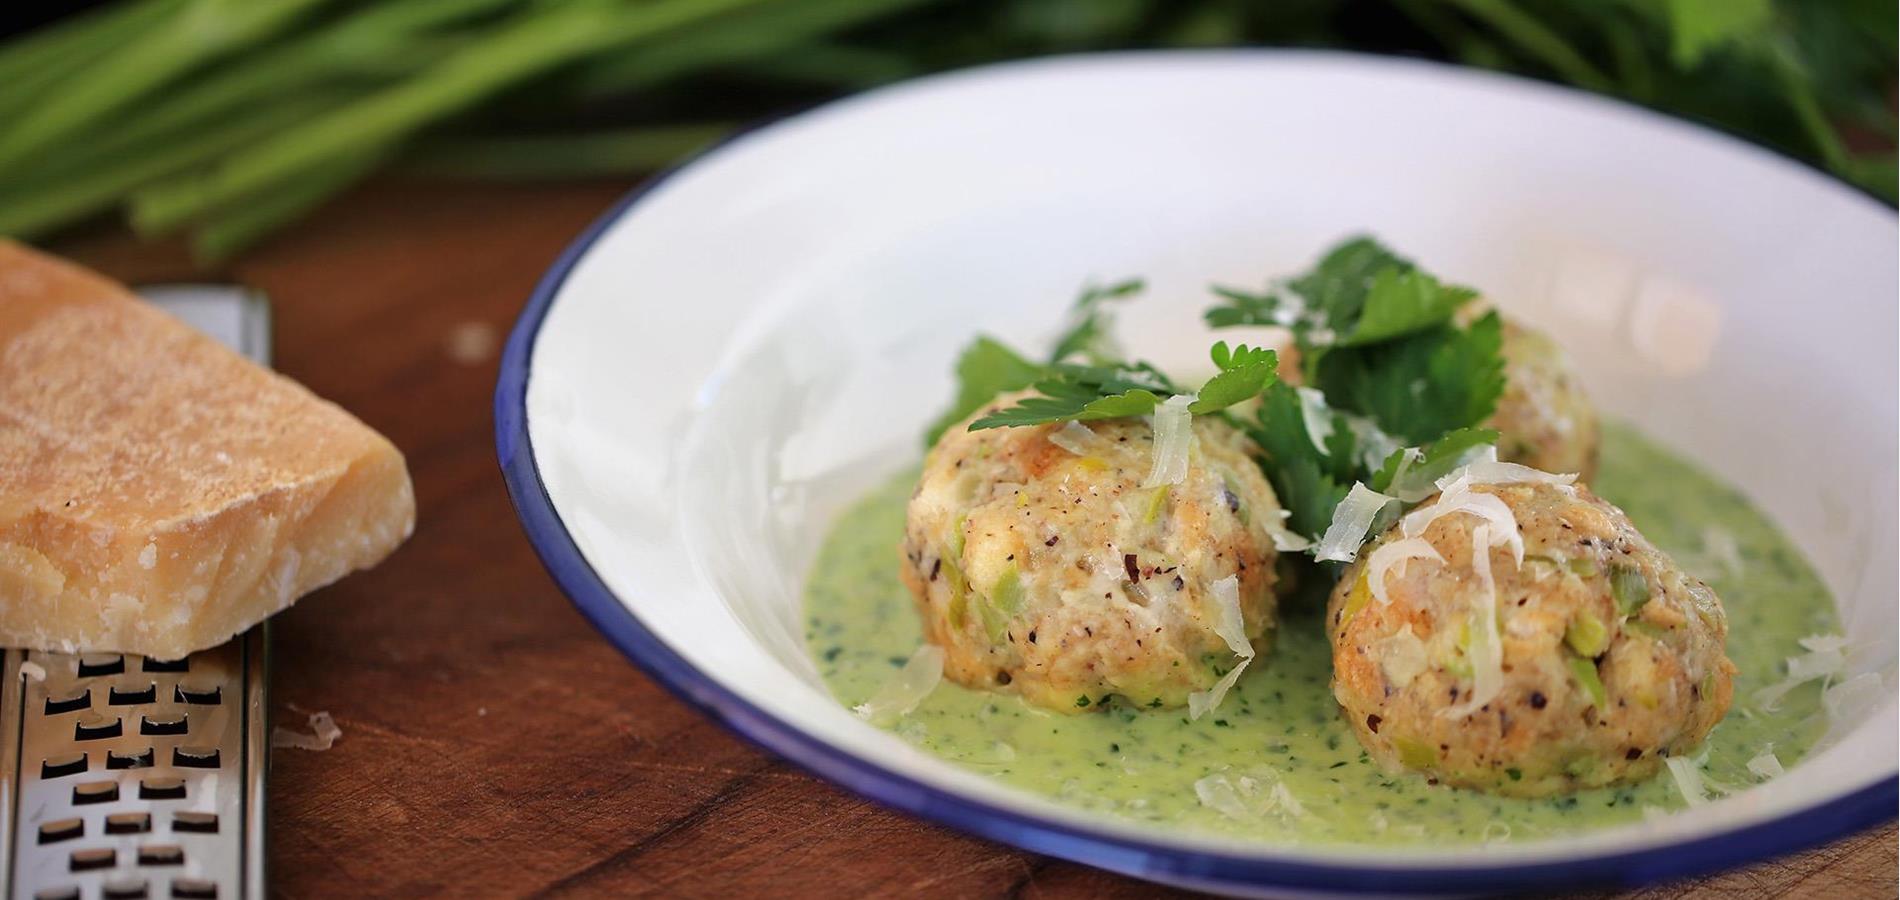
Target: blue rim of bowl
(576, 577)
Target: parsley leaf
(1434, 461)
(1090, 334)
(1244, 372)
(1336, 289)
(1402, 302)
(1419, 387)
(1302, 476)
(1244, 308)
(986, 368)
(1073, 392)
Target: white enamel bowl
(741, 348)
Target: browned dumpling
(1608, 657)
(1043, 567)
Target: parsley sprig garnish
(1388, 362)
(1380, 338)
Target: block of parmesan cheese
(159, 493)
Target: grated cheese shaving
(1688, 780)
(1487, 646)
(1391, 559)
(1217, 793)
(1352, 519)
(1246, 798)
(1074, 437)
(1486, 469)
(1174, 440)
(326, 733)
(919, 676)
(1284, 540)
(32, 671)
(1201, 703)
(1766, 766)
(1457, 497)
(1228, 622)
(1316, 416)
(1825, 658)
(1853, 698)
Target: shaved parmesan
(1402, 656)
(1201, 703)
(1825, 658)
(1074, 437)
(1487, 646)
(1317, 417)
(1405, 486)
(1174, 439)
(1766, 766)
(1458, 498)
(1232, 628)
(1374, 444)
(1853, 698)
(1491, 471)
(1688, 780)
(1391, 558)
(1246, 798)
(1352, 518)
(1218, 793)
(907, 688)
(326, 733)
(32, 671)
(1228, 622)
(1821, 643)
(1284, 539)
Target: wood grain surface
(493, 744)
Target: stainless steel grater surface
(127, 777)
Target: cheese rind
(159, 493)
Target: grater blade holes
(149, 664)
(92, 858)
(63, 765)
(128, 823)
(164, 723)
(61, 830)
(141, 758)
(195, 757)
(195, 822)
(162, 788)
(133, 695)
(162, 855)
(194, 889)
(76, 699)
(97, 728)
(93, 665)
(198, 695)
(125, 889)
(59, 893)
(95, 792)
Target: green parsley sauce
(1281, 725)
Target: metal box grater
(128, 777)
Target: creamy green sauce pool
(1293, 770)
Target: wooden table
(492, 743)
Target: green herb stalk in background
(230, 118)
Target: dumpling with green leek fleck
(1060, 563)
(1543, 417)
(1516, 634)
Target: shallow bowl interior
(748, 346)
